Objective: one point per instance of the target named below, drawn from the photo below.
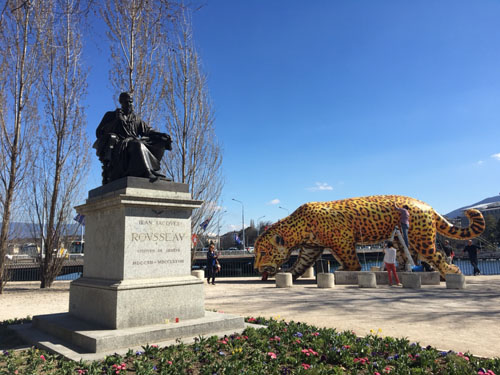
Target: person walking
(390, 262)
(404, 222)
(211, 263)
(472, 250)
(448, 252)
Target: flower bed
(281, 348)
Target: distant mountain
(26, 230)
(459, 211)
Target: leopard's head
(270, 253)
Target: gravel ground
(459, 320)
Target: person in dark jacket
(404, 222)
(211, 263)
(472, 250)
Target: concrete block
(326, 280)
(351, 277)
(455, 281)
(367, 280)
(284, 280)
(346, 277)
(309, 274)
(200, 274)
(411, 280)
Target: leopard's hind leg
(423, 241)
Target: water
(70, 276)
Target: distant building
(487, 209)
(488, 206)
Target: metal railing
(234, 267)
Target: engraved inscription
(146, 251)
(157, 237)
(160, 222)
(161, 261)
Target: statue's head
(127, 102)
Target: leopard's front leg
(307, 258)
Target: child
(390, 260)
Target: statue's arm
(106, 125)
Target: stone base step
(75, 339)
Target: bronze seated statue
(127, 146)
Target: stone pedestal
(284, 280)
(137, 271)
(367, 280)
(137, 257)
(326, 280)
(455, 281)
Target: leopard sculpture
(343, 224)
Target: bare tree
(19, 53)
(165, 77)
(138, 31)
(196, 157)
(63, 150)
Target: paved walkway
(459, 320)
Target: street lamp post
(286, 209)
(242, 221)
(258, 226)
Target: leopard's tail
(475, 228)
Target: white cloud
(480, 162)
(274, 201)
(234, 227)
(496, 156)
(320, 186)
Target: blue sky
(325, 100)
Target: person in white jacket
(390, 262)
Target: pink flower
(363, 360)
(306, 366)
(154, 346)
(250, 320)
(272, 355)
(376, 373)
(275, 338)
(315, 334)
(460, 354)
(298, 341)
(169, 362)
(43, 358)
(312, 352)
